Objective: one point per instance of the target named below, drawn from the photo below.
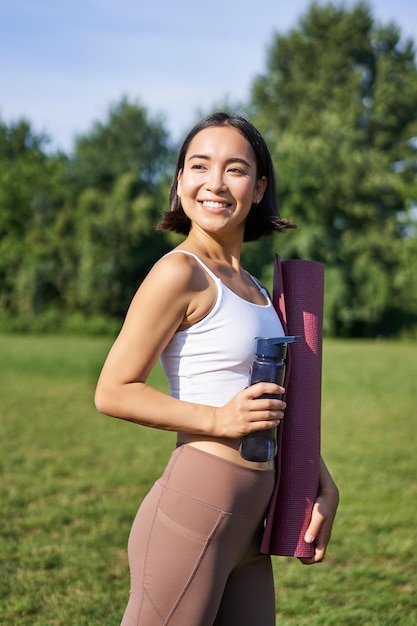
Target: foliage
(117, 245)
(72, 480)
(129, 141)
(77, 234)
(30, 198)
(338, 105)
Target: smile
(215, 205)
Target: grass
(72, 481)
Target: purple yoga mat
(298, 299)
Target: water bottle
(267, 366)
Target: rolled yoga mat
(298, 298)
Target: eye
(198, 166)
(237, 170)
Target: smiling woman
(263, 218)
(219, 179)
(194, 547)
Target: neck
(219, 248)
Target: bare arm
(170, 297)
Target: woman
(194, 545)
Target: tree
(117, 174)
(28, 207)
(338, 106)
(77, 235)
(129, 140)
(117, 244)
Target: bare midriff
(223, 447)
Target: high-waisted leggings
(194, 546)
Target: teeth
(215, 205)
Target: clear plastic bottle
(267, 366)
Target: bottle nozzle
(273, 346)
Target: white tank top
(209, 362)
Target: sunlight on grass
(72, 480)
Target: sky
(64, 64)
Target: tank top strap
(261, 288)
(203, 265)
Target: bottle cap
(275, 347)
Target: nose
(215, 180)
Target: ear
(261, 185)
(179, 183)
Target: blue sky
(63, 64)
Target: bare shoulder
(182, 285)
(171, 282)
(163, 298)
(175, 265)
(179, 271)
(172, 297)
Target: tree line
(337, 104)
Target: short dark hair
(263, 218)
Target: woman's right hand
(247, 412)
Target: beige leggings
(194, 546)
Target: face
(218, 183)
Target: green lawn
(72, 480)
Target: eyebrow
(228, 161)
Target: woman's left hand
(322, 517)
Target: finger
(318, 557)
(259, 419)
(318, 532)
(258, 389)
(268, 405)
(316, 522)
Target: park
(337, 102)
